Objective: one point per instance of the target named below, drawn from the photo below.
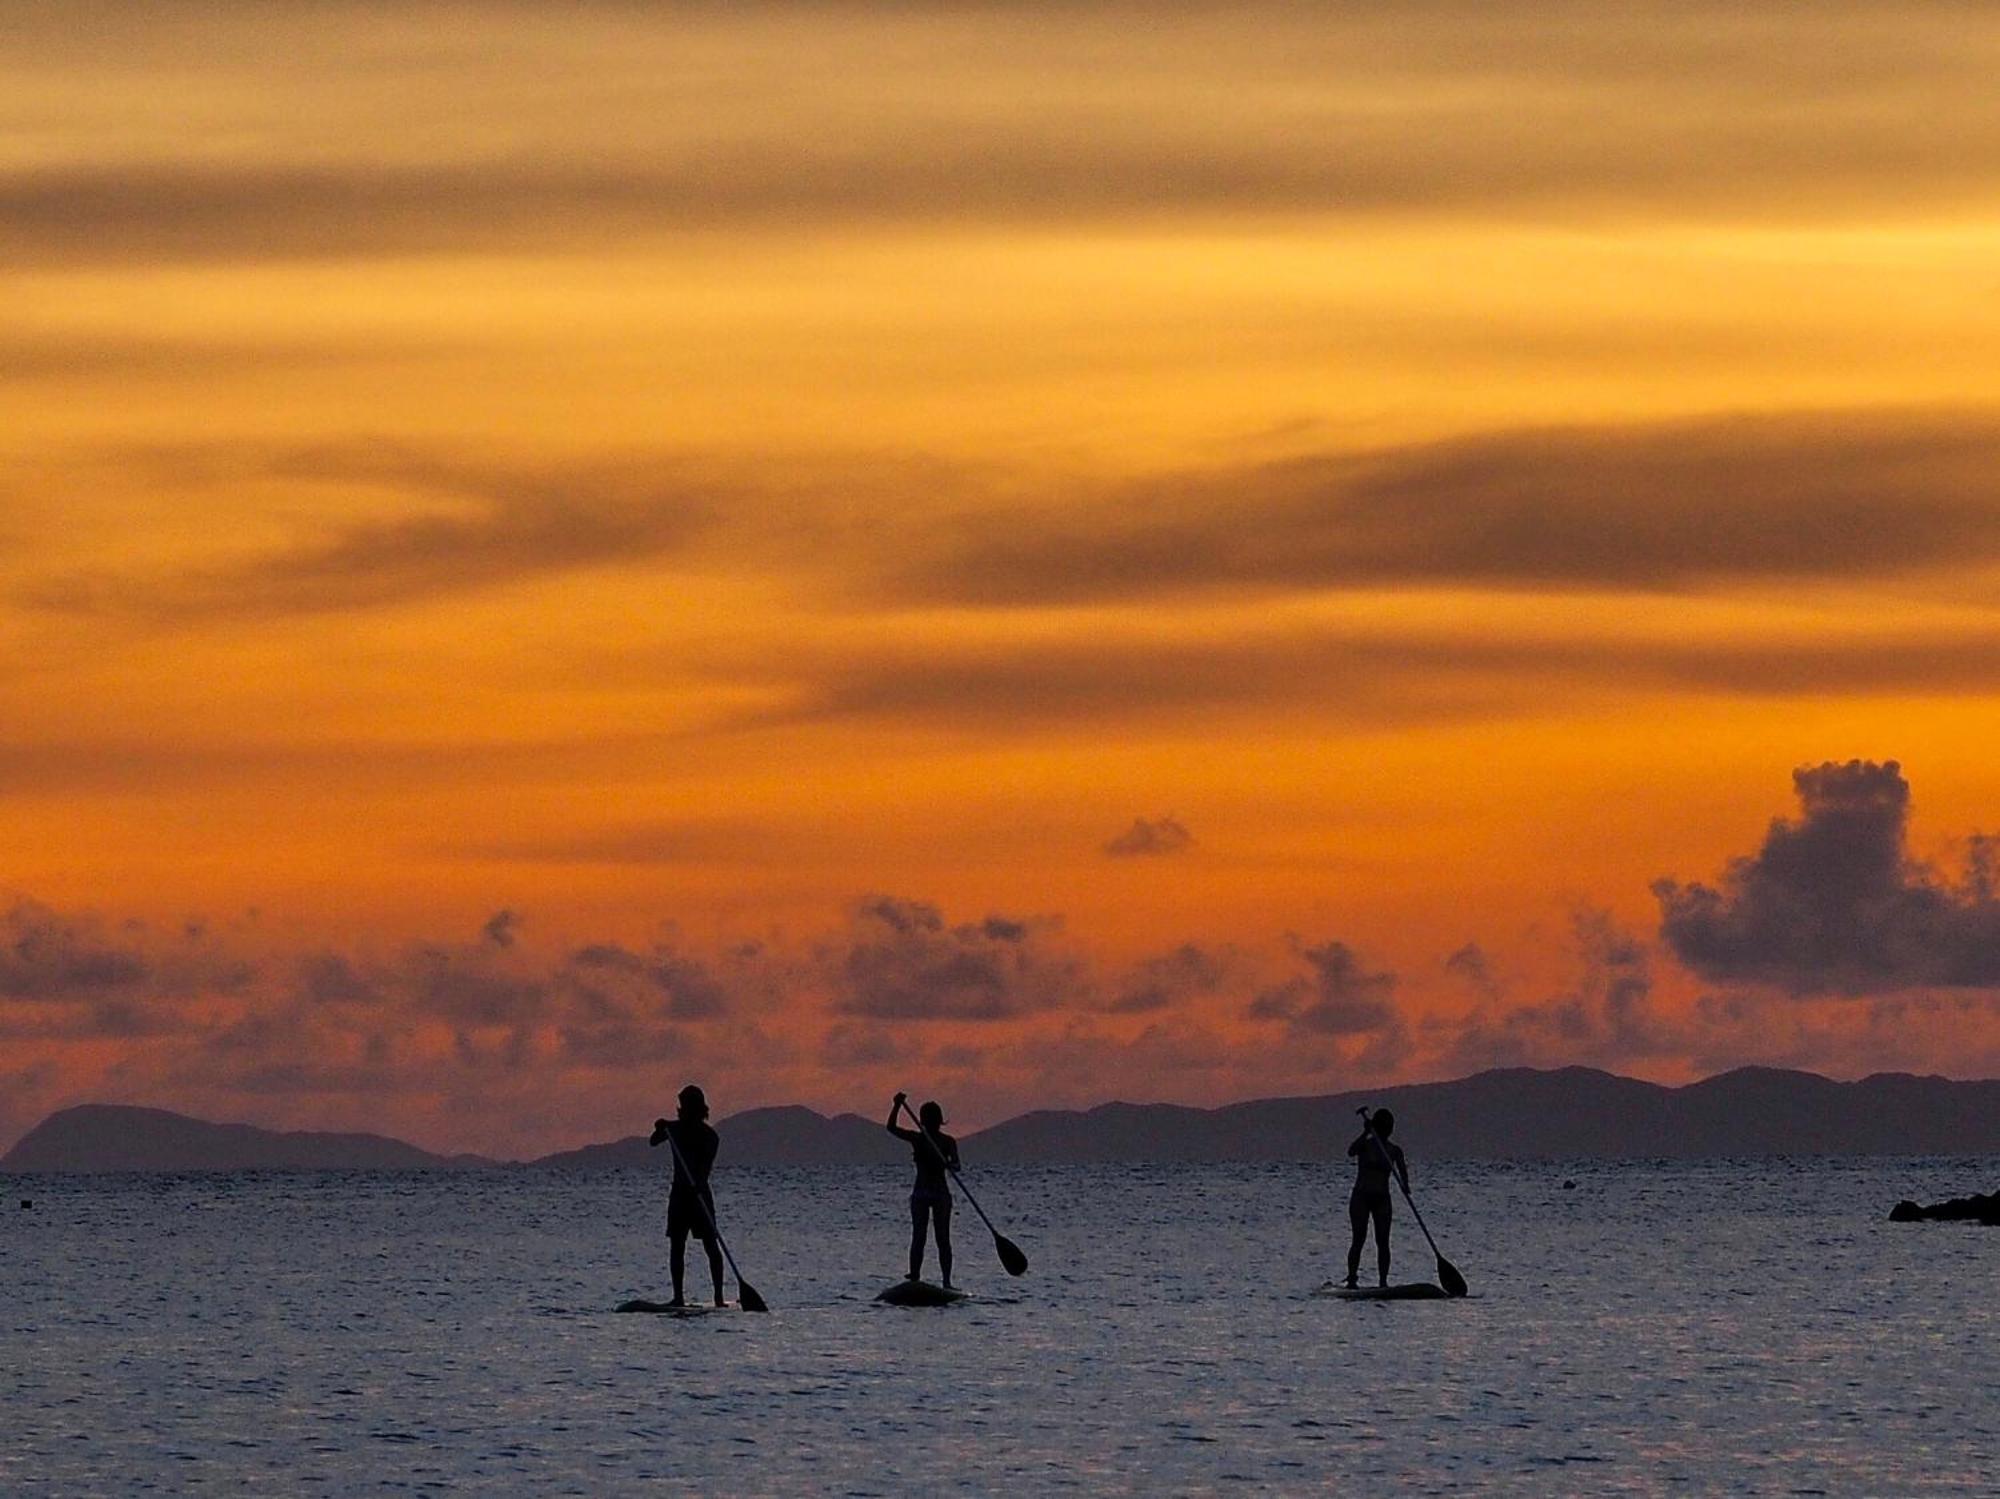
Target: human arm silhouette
(1390, 1156)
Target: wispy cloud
(1682, 505)
(1678, 506)
(1607, 1016)
(52, 355)
(635, 127)
(1369, 676)
(689, 841)
(465, 527)
(904, 961)
(51, 955)
(1337, 996)
(1151, 837)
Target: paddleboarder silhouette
(930, 1195)
(690, 1204)
(1370, 1202)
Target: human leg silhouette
(1382, 1210)
(1357, 1216)
(919, 1229)
(677, 1239)
(714, 1270)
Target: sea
(1753, 1327)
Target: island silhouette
(1508, 1113)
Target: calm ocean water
(1753, 1327)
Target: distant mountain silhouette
(1524, 1113)
(790, 1135)
(114, 1137)
(1513, 1113)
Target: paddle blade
(1010, 1255)
(750, 1301)
(1450, 1279)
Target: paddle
(1448, 1276)
(1009, 1252)
(746, 1294)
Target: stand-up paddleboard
(668, 1309)
(1421, 1290)
(920, 1293)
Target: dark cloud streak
(1365, 680)
(476, 528)
(1212, 112)
(1675, 506)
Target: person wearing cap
(930, 1197)
(1374, 1159)
(690, 1204)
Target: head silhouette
(694, 1103)
(931, 1115)
(1384, 1122)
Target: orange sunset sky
(1029, 553)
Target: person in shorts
(1374, 1159)
(930, 1196)
(690, 1204)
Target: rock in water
(1974, 1209)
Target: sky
(1032, 554)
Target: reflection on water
(1717, 1326)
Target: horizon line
(1077, 1109)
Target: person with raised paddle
(1375, 1159)
(690, 1203)
(930, 1196)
